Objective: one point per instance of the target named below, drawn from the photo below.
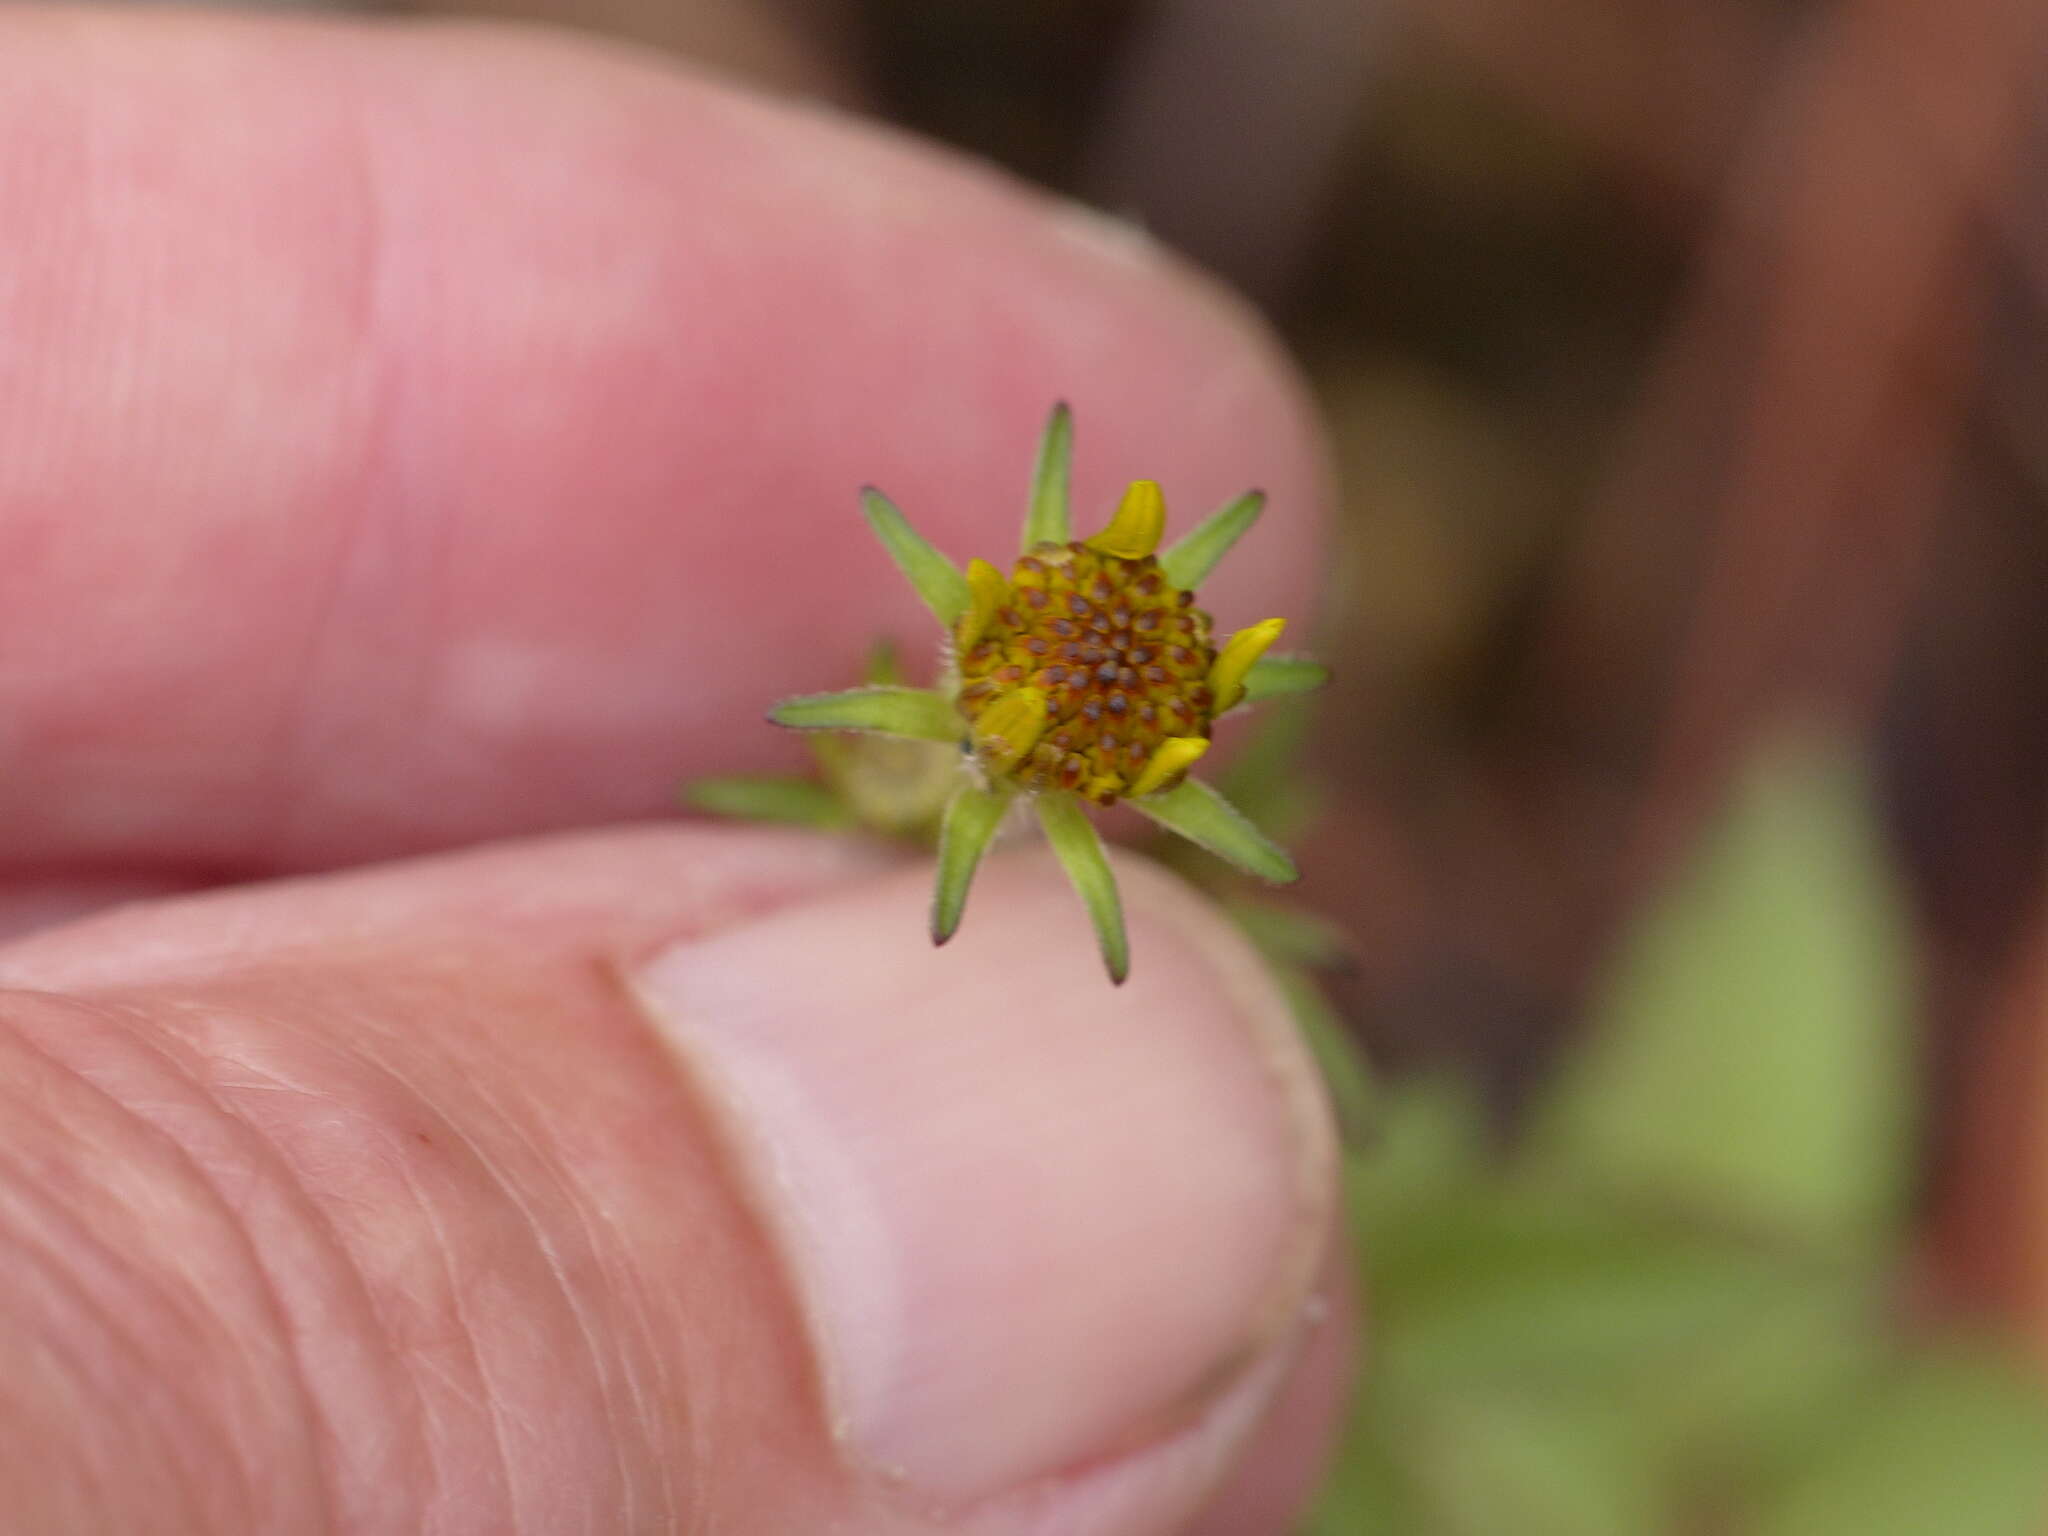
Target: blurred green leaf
(795, 802)
(1427, 1141)
(1291, 935)
(1502, 1287)
(1530, 1466)
(1750, 1058)
(1950, 1444)
(1720, 1351)
(1673, 1306)
(889, 783)
(1346, 1074)
(1296, 943)
(1740, 1404)
(1484, 1463)
(1367, 1493)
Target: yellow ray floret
(1226, 677)
(1086, 674)
(1175, 756)
(1009, 728)
(1140, 520)
(986, 583)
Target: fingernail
(1030, 1219)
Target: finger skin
(415, 435)
(368, 1203)
(321, 1232)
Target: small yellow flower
(1087, 674)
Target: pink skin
(421, 437)
(440, 439)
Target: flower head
(1085, 674)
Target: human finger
(414, 436)
(647, 1180)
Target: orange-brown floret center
(1121, 655)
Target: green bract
(1085, 675)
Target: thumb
(656, 1180)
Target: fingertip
(1048, 1245)
(918, 1132)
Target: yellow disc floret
(1080, 667)
(1084, 673)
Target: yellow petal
(1102, 788)
(1176, 755)
(1009, 728)
(1140, 520)
(988, 587)
(1226, 677)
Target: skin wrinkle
(88, 1402)
(483, 1394)
(318, 1219)
(669, 1508)
(557, 1274)
(194, 1176)
(479, 1394)
(604, 1360)
(147, 1035)
(489, 1396)
(365, 1030)
(105, 1389)
(343, 1263)
(106, 1331)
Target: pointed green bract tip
(972, 819)
(1188, 563)
(1049, 517)
(937, 580)
(1079, 849)
(1275, 677)
(1198, 813)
